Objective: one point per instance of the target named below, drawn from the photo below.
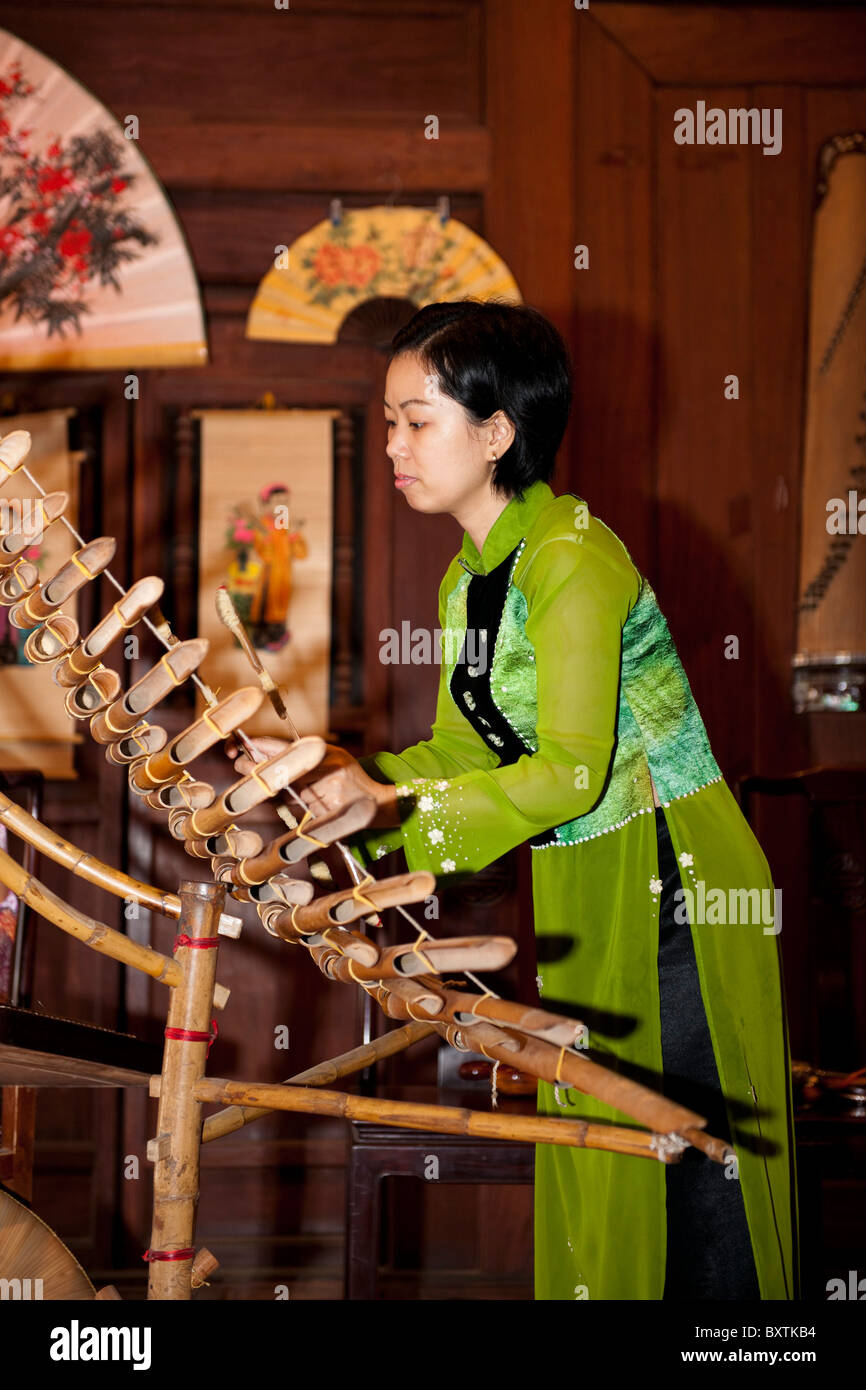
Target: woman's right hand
(338, 780)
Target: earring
(495, 458)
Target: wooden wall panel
(174, 64)
(781, 231)
(705, 461)
(614, 326)
(727, 45)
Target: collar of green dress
(510, 526)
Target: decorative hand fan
(399, 253)
(33, 1255)
(94, 268)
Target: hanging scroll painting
(35, 730)
(830, 662)
(379, 252)
(265, 532)
(94, 267)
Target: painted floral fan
(94, 268)
(373, 253)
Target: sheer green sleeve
(459, 820)
(452, 748)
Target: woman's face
(442, 463)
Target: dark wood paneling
(174, 65)
(781, 230)
(614, 332)
(723, 45)
(705, 467)
(328, 158)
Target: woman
(578, 732)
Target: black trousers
(709, 1251)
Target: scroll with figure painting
(265, 532)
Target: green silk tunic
(585, 671)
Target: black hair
(488, 355)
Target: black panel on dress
(485, 600)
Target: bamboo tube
(292, 847)
(280, 889)
(538, 1023)
(172, 669)
(178, 821)
(268, 778)
(541, 1059)
(189, 793)
(48, 642)
(176, 1173)
(204, 1264)
(716, 1149)
(553, 1065)
(92, 933)
(467, 1009)
(14, 448)
(336, 909)
(438, 1119)
(347, 1064)
(414, 958)
(20, 538)
(100, 688)
(349, 943)
(21, 579)
(232, 843)
(215, 724)
(128, 610)
(79, 569)
(141, 741)
(88, 867)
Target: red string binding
(189, 1035)
(171, 1255)
(200, 943)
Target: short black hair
(489, 355)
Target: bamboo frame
(96, 935)
(441, 1119)
(397, 1040)
(93, 870)
(176, 1149)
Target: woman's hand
(338, 780)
